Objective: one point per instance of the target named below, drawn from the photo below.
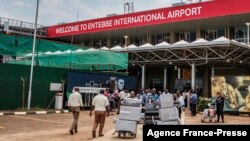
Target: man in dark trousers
(193, 101)
(100, 104)
(219, 107)
(75, 103)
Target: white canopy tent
(201, 51)
(198, 41)
(181, 42)
(91, 49)
(67, 51)
(163, 44)
(132, 46)
(79, 50)
(104, 48)
(57, 52)
(117, 48)
(146, 45)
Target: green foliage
(202, 103)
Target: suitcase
(152, 112)
(131, 102)
(150, 106)
(149, 122)
(166, 101)
(170, 122)
(168, 114)
(126, 126)
(130, 113)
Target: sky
(52, 12)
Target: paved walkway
(243, 119)
(109, 135)
(186, 120)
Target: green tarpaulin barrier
(68, 57)
(17, 45)
(88, 60)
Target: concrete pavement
(185, 120)
(108, 136)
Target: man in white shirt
(75, 102)
(181, 103)
(121, 96)
(100, 104)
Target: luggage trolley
(209, 113)
(125, 127)
(130, 115)
(151, 111)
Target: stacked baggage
(151, 111)
(130, 114)
(168, 113)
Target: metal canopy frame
(214, 53)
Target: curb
(34, 112)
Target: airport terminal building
(202, 46)
(177, 47)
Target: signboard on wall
(153, 17)
(187, 74)
(89, 89)
(235, 90)
(55, 86)
(87, 80)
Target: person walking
(180, 103)
(100, 105)
(193, 101)
(185, 96)
(120, 97)
(219, 107)
(75, 103)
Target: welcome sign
(153, 17)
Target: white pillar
(179, 73)
(193, 76)
(248, 34)
(165, 79)
(143, 77)
(212, 71)
(248, 24)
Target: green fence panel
(11, 85)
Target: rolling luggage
(166, 101)
(168, 114)
(131, 102)
(124, 127)
(130, 113)
(149, 122)
(170, 122)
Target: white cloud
(52, 12)
(21, 4)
